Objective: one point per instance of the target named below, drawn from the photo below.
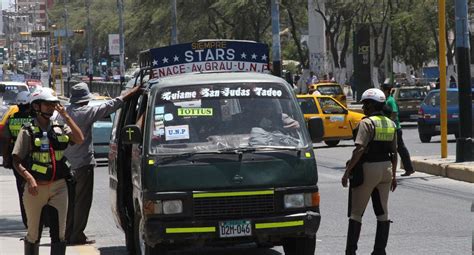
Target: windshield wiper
(184, 154)
(238, 150)
(273, 147)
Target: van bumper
(264, 230)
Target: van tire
(425, 138)
(332, 143)
(141, 247)
(300, 245)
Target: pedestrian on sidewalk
(391, 111)
(312, 79)
(38, 156)
(371, 170)
(81, 156)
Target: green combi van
(216, 157)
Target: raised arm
(76, 136)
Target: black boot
(352, 237)
(31, 248)
(58, 248)
(381, 237)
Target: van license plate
(233, 228)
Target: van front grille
(234, 207)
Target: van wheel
(425, 138)
(332, 143)
(300, 246)
(141, 247)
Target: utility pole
(122, 41)
(276, 49)
(464, 141)
(36, 39)
(174, 28)
(66, 46)
(48, 47)
(442, 78)
(89, 43)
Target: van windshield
(8, 94)
(225, 117)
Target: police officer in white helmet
(371, 171)
(38, 156)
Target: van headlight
(172, 206)
(294, 200)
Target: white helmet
(44, 94)
(373, 94)
(23, 98)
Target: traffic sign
(40, 33)
(62, 33)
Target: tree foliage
(413, 25)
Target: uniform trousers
(54, 194)
(377, 180)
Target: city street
(430, 214)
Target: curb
(444, 167)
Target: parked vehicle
(329, 89)
(429, 114)
(408, 99)
(101, 130)
(34, 84)
(338, 121)
(200, 158)
(8, 92)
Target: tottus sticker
(210, 56)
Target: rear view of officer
(14, 124)
(372, 170)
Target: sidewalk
(444, 167)
(11, 226)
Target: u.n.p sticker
(180, 132)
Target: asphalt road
(430, 214)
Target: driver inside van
(268, 115)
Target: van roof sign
(206, 56)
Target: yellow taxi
(338, 121)
(5, 112)
(328, 88)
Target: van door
(121, 187)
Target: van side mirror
(131, 134)
(316, 129)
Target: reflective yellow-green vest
(385, 128)
(15, 122)
(380, 148)
(41, 163)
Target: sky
(6, 3)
